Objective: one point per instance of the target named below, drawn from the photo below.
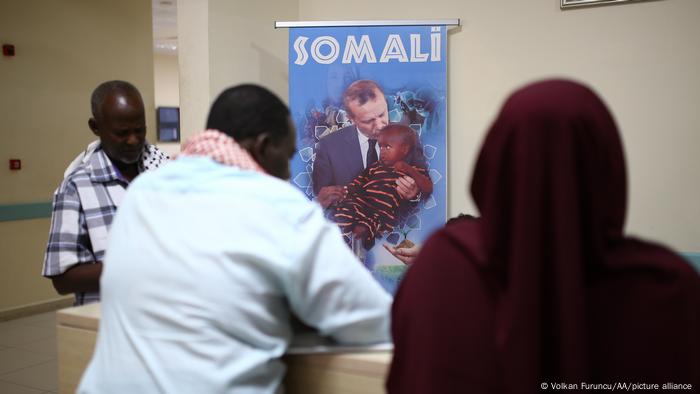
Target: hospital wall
(63, 50)
(222, 43)
(166, 89)
(642, 58)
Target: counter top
(310, 369)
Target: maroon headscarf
(545, 288)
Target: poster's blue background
(316, 90)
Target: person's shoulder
(447, 255)
(463, 238)
(94, 159)
(151, 148)
(283, 197)
(198, 174)
(172, 174)
(96, 168)
(338, 136)
(154, 157)
(285, 189)
(649, 255)
(78, 172)
(79, 176)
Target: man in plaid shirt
(86, 201)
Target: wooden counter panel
(86, 317)
(75, 347)
(333, 372)
(337, 373)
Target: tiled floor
(28, 355)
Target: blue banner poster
(355, 90)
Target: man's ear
(257, 147)
(92, 123)
(348, 113)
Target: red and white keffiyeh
(221, 148)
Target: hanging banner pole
(393, 22)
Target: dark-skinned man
(87, 199)
(204, 303)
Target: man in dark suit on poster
(344, 154)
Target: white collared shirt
(364, 146)
(205, 265)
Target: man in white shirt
(211, 256)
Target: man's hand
(407, 188)
(406, 255)
(402, 166)
(329, 195)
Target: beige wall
(193, 61)
(166, 90)
(643, 58)
(22, 244)
(165, 80)
(224, 43)
(245, 45)
(64, 49)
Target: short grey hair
(107, 88)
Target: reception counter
(360, 371)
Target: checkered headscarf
(221, 148)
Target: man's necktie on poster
(371, 152)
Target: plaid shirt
(84, 206)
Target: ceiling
(165, 26)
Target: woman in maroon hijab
(545, 288)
